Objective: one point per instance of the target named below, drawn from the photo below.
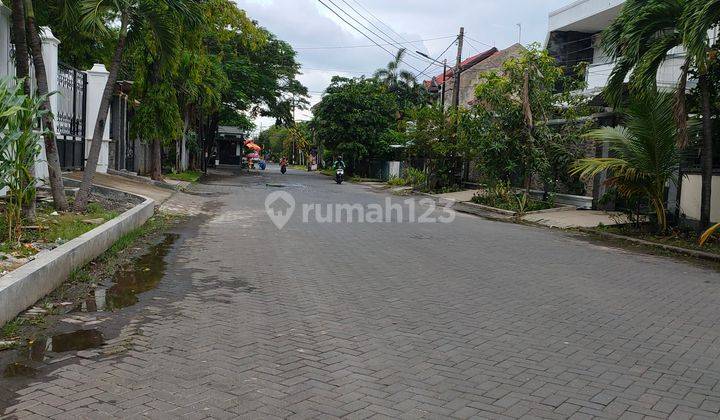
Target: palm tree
(103, 16)
(641, 38)
(34, 42)
(646, 154)
(392, 76)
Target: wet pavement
(230, 317)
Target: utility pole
(444, 82)
(456, 101)
(456, 72)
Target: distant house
(470, 71)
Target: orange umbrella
(253, 146)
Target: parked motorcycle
(339, 175)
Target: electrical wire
(388, 37)
(363, 33)
(330, 47)
(438, 59)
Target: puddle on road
(36, 351)
(142, 275)
(19, 370)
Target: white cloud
(308, 24)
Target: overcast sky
(310, 27)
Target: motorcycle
(283, 169)
(339, 175)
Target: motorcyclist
(339, 163)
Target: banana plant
(19, 149)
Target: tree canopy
(354, 117)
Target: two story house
(574, 36)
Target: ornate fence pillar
(97, 78)
(50, 46)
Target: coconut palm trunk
(83, 195)
(707, 151)
(51, 152)
(22, 71)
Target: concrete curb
(23, 287)
(676, 249)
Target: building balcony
(668, 75)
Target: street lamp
(444, 63)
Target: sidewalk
(128, 185)
(563, 219)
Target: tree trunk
(83, 194)
(22, 65)
(183, 142)
(51, 153)
(156, 171)
(22, 71)
(707, 152)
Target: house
(574, 36)
(470, 71)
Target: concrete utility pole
(456, 72)
(444, 82)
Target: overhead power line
(385, 24)
(386, 35)
(383, 38)
(361, 32)
(440, 56)
(330, 47)
(479, 42)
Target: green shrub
(415, 177)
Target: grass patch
(328, 171)
(397, 182)
(67, 226)
(11, 328)
(50, 227)
(298, 167)
(187, 176)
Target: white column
(50, 46)
(97, 78)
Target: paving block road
(469, 319)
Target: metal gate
(70, 117)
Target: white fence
(96, 77)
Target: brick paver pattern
(470, 319)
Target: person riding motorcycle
(339, 163)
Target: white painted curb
(24, 286)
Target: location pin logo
(280, 206)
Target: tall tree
(126, 15)
(354, 117)
(392, 75)
(51, 152)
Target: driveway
(472, 318)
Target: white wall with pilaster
(97, 78)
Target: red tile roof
(464, 65)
